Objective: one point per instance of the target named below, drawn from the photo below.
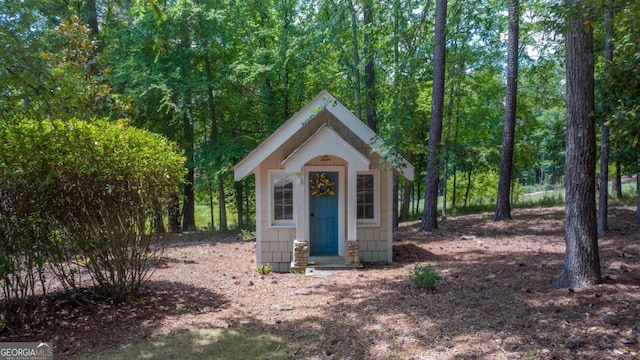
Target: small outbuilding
(323, 190)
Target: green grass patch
(203, 218)
(220, 344)
(540, 199)
(542, 196)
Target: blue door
(323, 212)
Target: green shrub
(265, 269)
(82, 196)
(247, 235)
(424, 277)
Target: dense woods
(217, 77)
(121, 122)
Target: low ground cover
(493, 302)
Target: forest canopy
(217, 77)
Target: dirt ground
(494, 301)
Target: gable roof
(325, 141)
(323, 101)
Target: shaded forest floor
(494, 301)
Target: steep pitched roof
(323, 101)
(325, 141)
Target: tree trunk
(503, 203)
(247, 202)
(582, 262)
(455, 184)
(158, 223)
(239, 207)
(91, 17)
(188, 204)
(369, 70)
(445, 175)
(466, 193)
(603, 199)
(406, 195)
(222, 206)
(417, 197)
(211, 213)
(445, 167)
(285, 45)
(174, 215)
(618, 181)
(356, 59)
(406, 200)
(213, 135)
(430, 215)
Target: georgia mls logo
(26, 351)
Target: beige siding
(374, 244)
(277, 242)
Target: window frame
(281, 223)
(375, 221)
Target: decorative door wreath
(322, 186)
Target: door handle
(313, 214)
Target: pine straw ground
(494, 301)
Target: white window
(368, 206)
(281, 199)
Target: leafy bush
(22, 256)
(247, 235)
(265, 269)
(82, 196)
(424, 277)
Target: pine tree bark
(212, 221)
(618, 181)
(174, 215)
(369, 70)
(582, 262)
(91, 17)
(603, 199)
(222, 206)
(356, 59)
(188, 204)
(406, 194)
(430, 214)
(158, 223)
(503, 204)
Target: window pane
(368, 212)
(277, 212)
(365, 197)
(282, 198)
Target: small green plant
(247, 235)
(424, 277)
(265, 269)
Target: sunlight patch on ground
(213, 343)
